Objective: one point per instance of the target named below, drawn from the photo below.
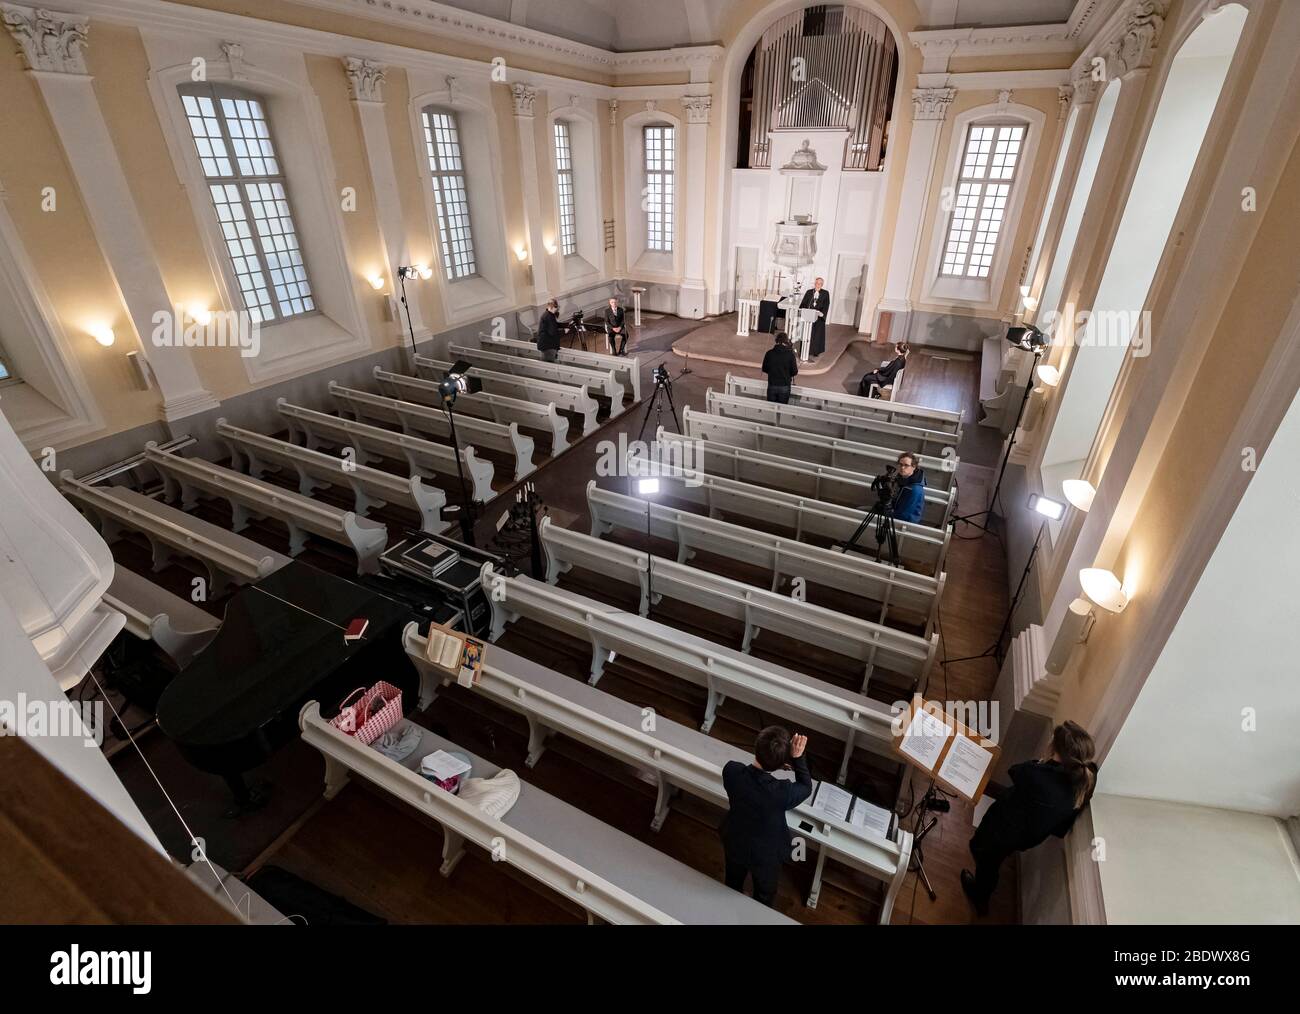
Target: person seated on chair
(1044, 799)
(884, 376)
(548, 331)
(781, 366)
(615, 328)
(755, 835)
(909, 502)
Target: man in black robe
(819, 299)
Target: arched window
(450, 198)
(249, 193)
(981, 196)
(564, 189)
(659, 142)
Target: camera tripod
(882, 515)
(663, 387)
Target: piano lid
(281, 639)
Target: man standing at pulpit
(819, 299)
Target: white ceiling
(628, 25)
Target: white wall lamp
(1045, 378)
(551, 247)
(102, 333)
(1101, 590)
(1080, 493)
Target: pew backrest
(565, 396)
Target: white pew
(755, 503)
(837, 401)
(680, 758)
(180, 628)
(227, 557)
(542, 418)
(757, 608)
(416, 419)
(783, 557)
(723, 672)
(829, 423)
(371, 487)
(626, 369)
(563, 396)
(822, 482)
(422, 457)
(611, 875)
(249, 498)
(594, 380)
(865, 458)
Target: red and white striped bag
(378, 710)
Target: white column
(366, 83)
(52, 47)
(691, 293)
(524, 96)
(929, 110)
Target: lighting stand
(469, 509)
(1006, 455)
(402, 274)
(663, 386)
(994, 650)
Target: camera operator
(909, 481)
(549, 331)
(781, 367)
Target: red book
(356, 630)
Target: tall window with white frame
(450, 200)
(248, 189)
(564, 185)
(6, 371)
(659, 164)
(983, 190)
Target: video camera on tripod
(886, 486)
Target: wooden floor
(384, 858)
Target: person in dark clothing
(884, 376)
(755, 835)
(615, 328)
(781, 366)
(909, 501)
(1044, 799)
(548, 332)
(818, 299)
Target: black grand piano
(281, 644)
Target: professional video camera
(575, 321)
(886, 487)
(660, 376)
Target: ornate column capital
(613, 112)
(1135, 46)
(453, 89)
(365, 79)
(50, 40)
(1064, 94)
(1085, 89)
(524, 96)
(697, 107)
(932, 103)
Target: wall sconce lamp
(102, 333)
(1080, 493)
(413, 271)
(550, 247)
(1030, 303)
(1047, 375)
(376, 282)
(200, 314)
(1101, 590)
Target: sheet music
(832, 801)
(870, 817)
(964, 766)
(924, 738)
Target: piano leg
(247, 798)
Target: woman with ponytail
(1044, 799)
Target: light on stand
(1051, 509)
(450, 387)
(647, 487)
(424, 271)
(1079, 492)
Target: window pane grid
(450, 202)
(659, 161)
(983, 189)
(564, 175)
(246, 183)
